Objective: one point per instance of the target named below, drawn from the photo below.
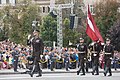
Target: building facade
(91, 4)
(6, 2)
(44, 6)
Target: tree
(49, 30)
(18, 21)
(106, 14)
(69, 34)
(75, 34)
(114, 33)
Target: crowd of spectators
(7, 48)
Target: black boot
(78, 72)
(31, 74)
(92, 73)
(93, 70)
(83, 71)
(97, 74)
(110, 75)
(32, 71)
(110, 72)
(106, 71)
(82, 74)
(104, 74)
(40, 74)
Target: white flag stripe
(90, 24)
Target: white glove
(29, 36)
(111, 58)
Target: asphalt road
(60, 76)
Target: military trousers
(82, 66)
(36, 66)
(95, 67)
(108, 66)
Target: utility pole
(59, 22)
(59, 8)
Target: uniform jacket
(37, 45)
(82, 48)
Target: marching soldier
(108, 55)
(82, 54)
(38, 47)
(95, 50)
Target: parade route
(62, 76)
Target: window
(15, 2)
(43, 9)
(48, 9)
(7, 1)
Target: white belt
(94, 55)
(107, 53)
(81, 52)
(94, 51)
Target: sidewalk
(23, 71)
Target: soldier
(53, 57)
(108, 55)
(15, 55)
(52, 60)
(38, 47)
(95, 50)
(82, 54)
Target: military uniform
(66, 60)
(15, 55)
(95, 50)
(108, 55)
(53, 58)
(38, 47)
(82, 55)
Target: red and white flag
(92, 30)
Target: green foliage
(49, 30)
(17, 23)
(114, 33)
(69, 34)
(105, 15)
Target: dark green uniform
(95, 50)
(108, 55)
(38, 48)
(15, 57)
(82, 54)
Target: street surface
(59, 76)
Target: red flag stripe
(91, 33)
(92, 30)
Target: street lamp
(35, 24)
